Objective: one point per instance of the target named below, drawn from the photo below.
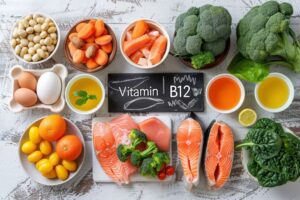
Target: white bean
(46, 55)
(44, 48)
(28, 17)
(53, 36)
(36, 39)
(37, 46)
(24, 50)
(31, 50)
(24, 22)
(24, 43)
(48, 20)
(30, 37)
(18, 40)
(52, 29)
(41, 53)
(20, 26)
(51, 24)
(43, 34)
(30, 44)
(54, 41)
(32, 22)
(18, 49)
(27, 57)
(40, 20)
(42, 41)
(50, 48)
(22, 33)
(48, 41)
(29, 30)
(13, 43)
(35, 58)
(15, 33)
(37, 28)
(35, 16)
(45, 26)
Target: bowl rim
(56, 46)
(112, 55)
(290, 97)
(68, 87)
(80, 166)
(241, 86)
(162, 30)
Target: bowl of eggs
(35, 38)
(38, 88)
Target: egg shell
(27, 80)
(25, 97)
(48, 88)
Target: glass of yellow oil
(275, 93)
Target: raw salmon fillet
(189, 144)
(219, 155)
(106, 137)
(157, 132)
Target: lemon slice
(247, 117)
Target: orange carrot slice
(102, 40)
(139, 29)
(71, 48)
(86, 31)
(99, 27)
(101, 57)
(79, 26)
(78, 56)
(92, 21)
(91, 39)
(72, 35)
(136, 57)
(158, 49)
(105, 32)
(134, 45)
(91, 64)
(107, 47)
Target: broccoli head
(148, 167)
(123, 152)
(264, 33)
(160, 158)
(215, 47)
(202, 59)
(137, 137)
(137, 156)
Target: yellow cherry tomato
(28, 147)
(45, 147)
(61, 172)
(69, 165)
(51, 174)
(38, 164)
(35, 156)
(45, 167)
(54, 159)
(34, 135)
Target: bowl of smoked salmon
(145, 44)
(90, 45)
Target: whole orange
(69, 147)
(52, 127)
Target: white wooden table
(15, 184)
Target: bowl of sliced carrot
(90, 45)
(145, 43)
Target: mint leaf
(92, 97)
(81, 101)
(80, 93)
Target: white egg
(48, 88)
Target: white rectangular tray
(100, 176)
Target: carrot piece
(92, 21)
(91, 64)
(149, 44)
(158, 49)
(139, 29)
(91, 39)
(86, 31)
(136, 57)
(99, 27)
(134, 45)
(78, 56)
(74, 34)
(101, 57)
(102, 40)
(80, 26)
(71, 48)
(107, 47)
(105, 32)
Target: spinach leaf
(248, 70)
(268, 178)
(290, 167)
(253, 166)
(272, 164)
(265, 123)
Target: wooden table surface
(15, 184)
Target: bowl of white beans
(35, 38)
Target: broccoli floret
(181, 17)
(190, 25)
(148, 167)
(286, 9)
(215, 47)
(192, 11)
(202, 59)
(180, 42)
(193, 44)
(269, 8)
(137, 137)
(137, 156)
(123, 152)
(160, 158)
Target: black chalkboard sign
(156, 92)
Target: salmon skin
(189, 144)
(219, 155)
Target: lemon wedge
(247, 117)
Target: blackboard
(156, 92)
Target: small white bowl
(241, 86)
(152, 24)
(289, 100)
(69, 85)
(30, 168)
(52, 53)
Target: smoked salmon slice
(219, 155)
(189, 143)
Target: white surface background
(15, 184)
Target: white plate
(100, 176)
(30, 168)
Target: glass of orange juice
(225, 93)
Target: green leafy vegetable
(268, 178)
(137, 156)
(202, 59)
(148, 167)
(160, 158)
(84, 97)
(137, 137)
(123, 152)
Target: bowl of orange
(90, 45)
(52, 150)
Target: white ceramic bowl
(289, 100)
(52, 53)
(30, 168)
(241, 86)
(152, 24)
(69, 85)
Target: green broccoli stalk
(137, 137)
(202, 59)
(123, 152)
(148, 167)
(137, 156)
(160, 158)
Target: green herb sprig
(84, 97)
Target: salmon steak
(189, 143)
(219, 155)
(106, 138)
